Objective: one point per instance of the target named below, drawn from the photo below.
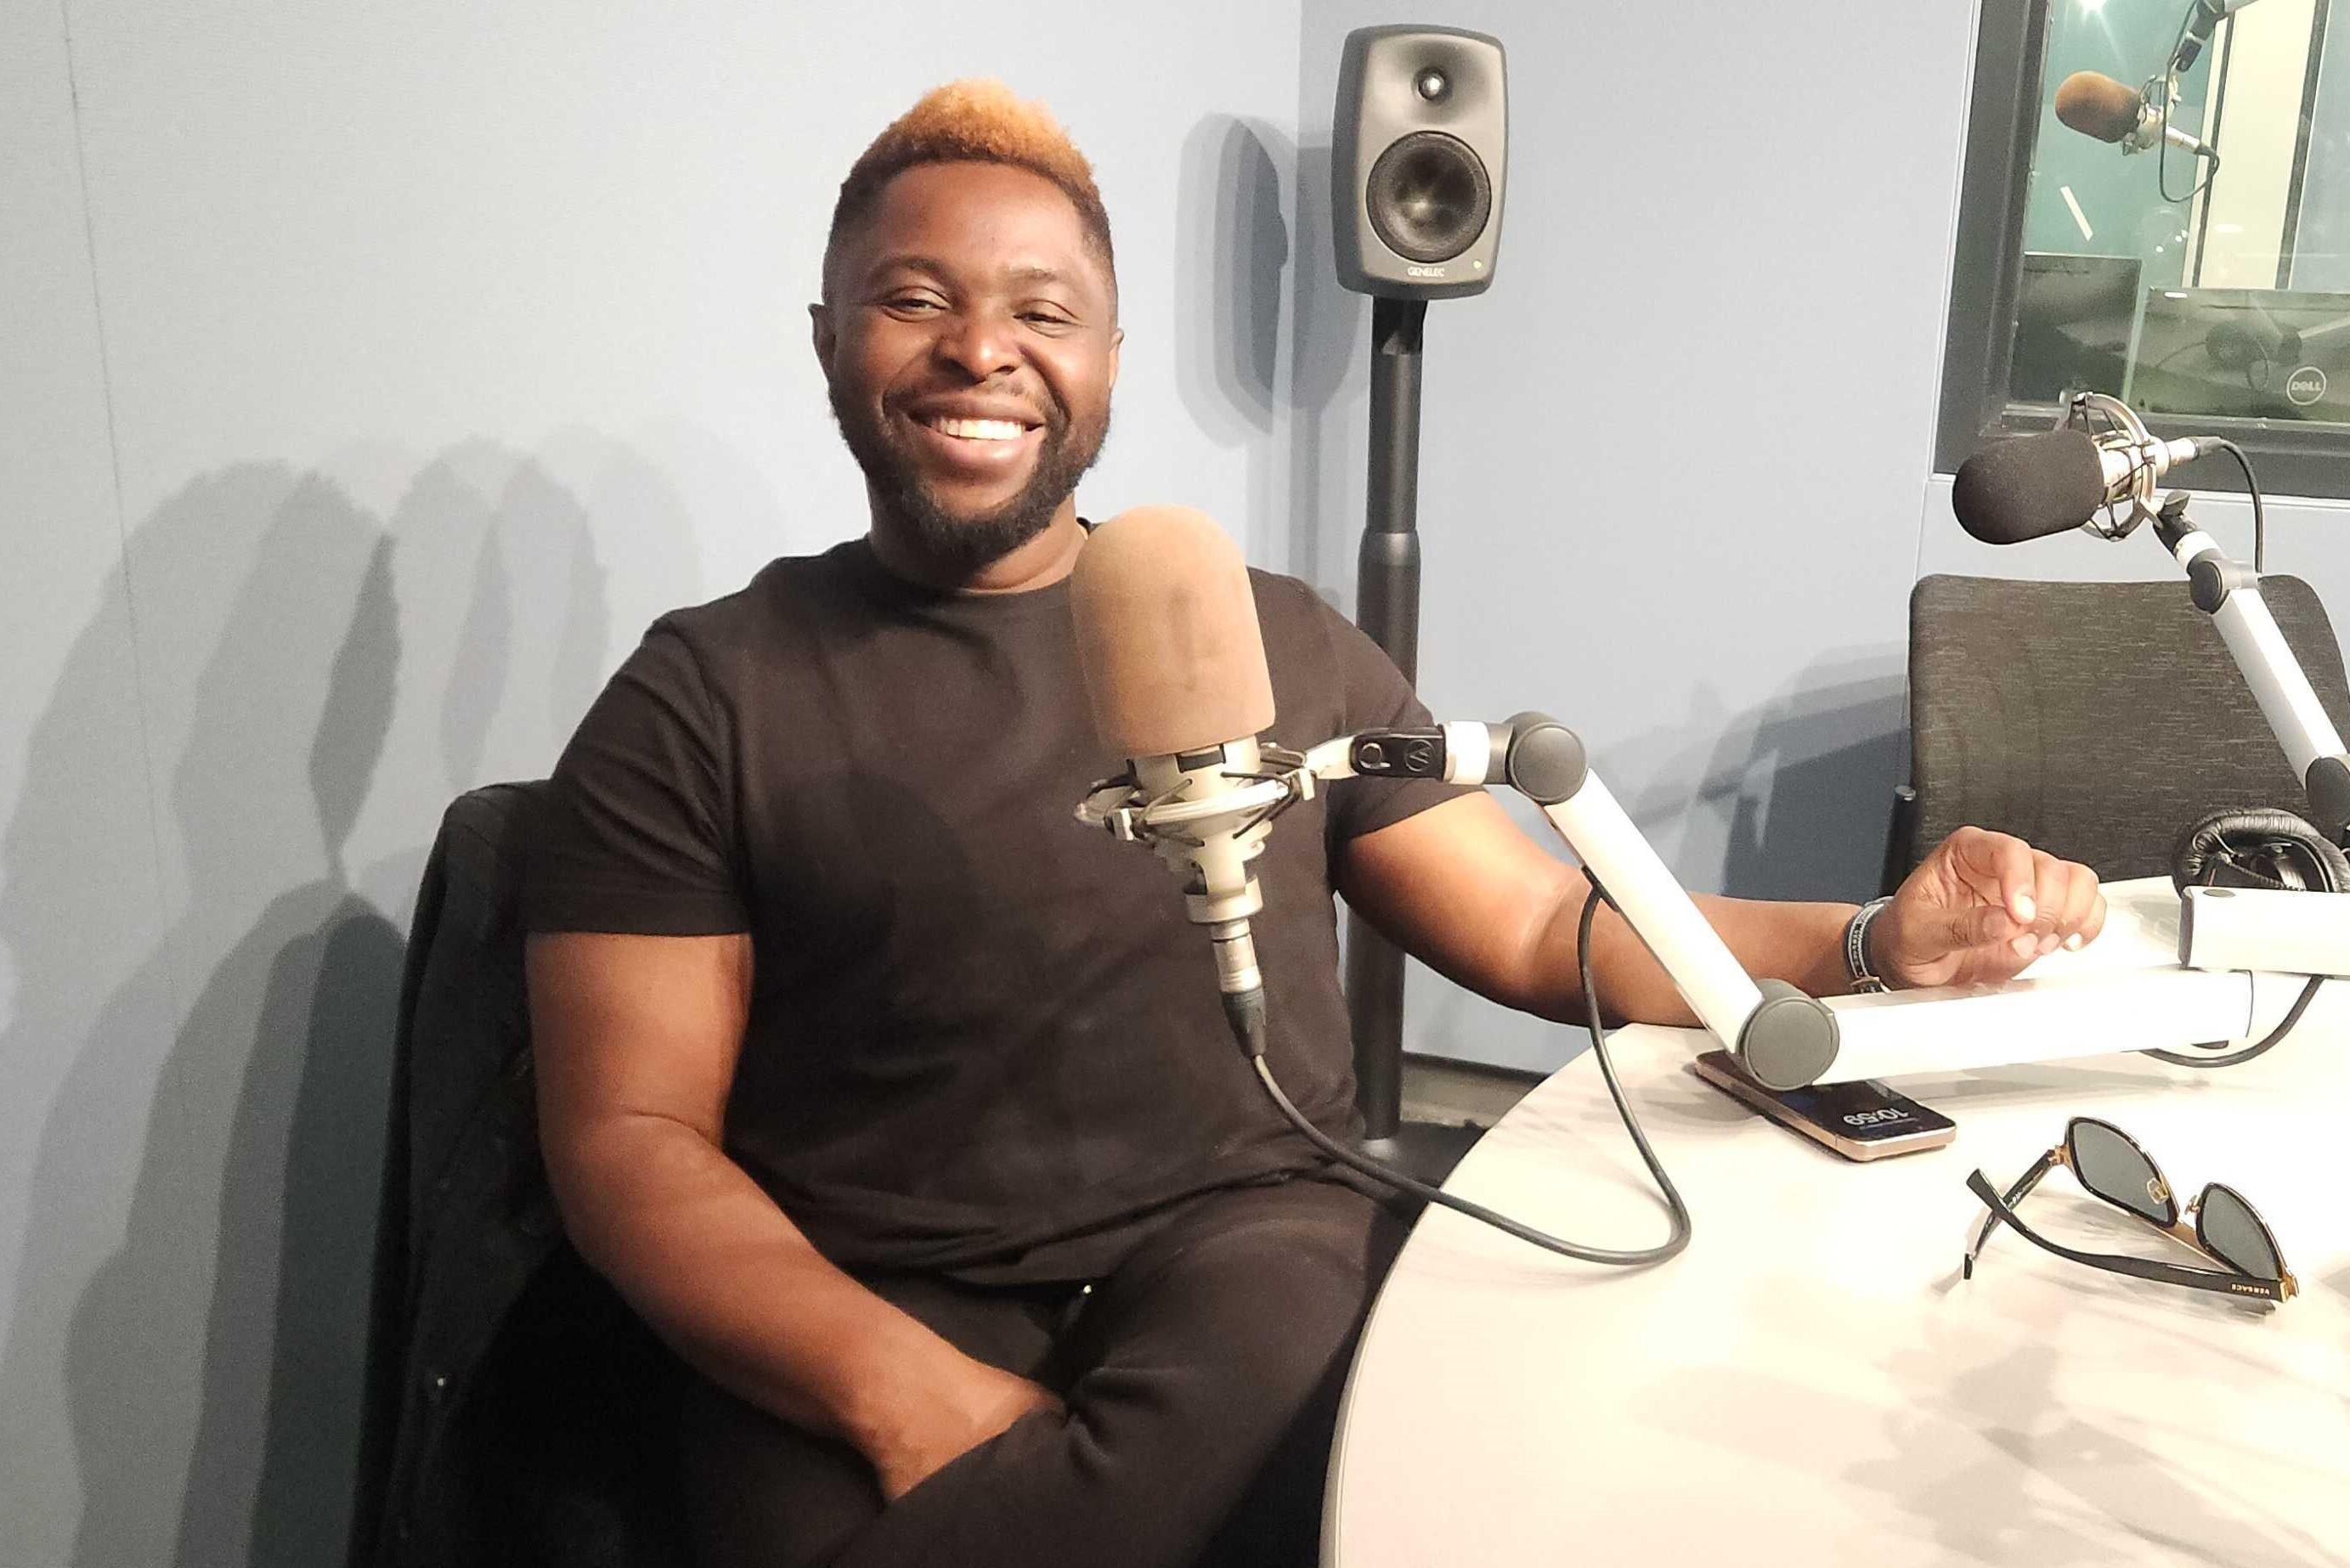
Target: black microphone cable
(1246, 1014)
(2252, 486)
(2259, 1047)
(2167, 80)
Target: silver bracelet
(1855, 947)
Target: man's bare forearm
(702, 1251)
(1798, 942)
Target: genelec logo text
(1424, 271)
(1874, 1118)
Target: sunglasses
(2108, 1162)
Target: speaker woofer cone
(1429, 196)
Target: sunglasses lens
(2110, 1166)
(2235, 1234)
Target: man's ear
(823, 335)
(1117, 337)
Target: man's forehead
(968, 217)
(949, 264)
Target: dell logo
(2306, 386)
(1424, 271)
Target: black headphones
(2258, 848)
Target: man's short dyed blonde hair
(975, 120)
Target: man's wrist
(876, 1375)
(1860, 948)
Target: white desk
(1812, 1382)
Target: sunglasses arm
(2139, 1268)
(2015, 1194)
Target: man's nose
(981, 342)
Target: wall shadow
(185, 1351)
(1328, 327)
(1792, 797)
(211, 1314)
(1232, 249)
(1831, 749)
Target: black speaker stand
(1428, 1150)
(1386, 601)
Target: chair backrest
(484, 1444)
(2097, 720)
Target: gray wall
(368, 379)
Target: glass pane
(2230, 1230)
(2110, 1166)
(2187, 233)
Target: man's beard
(964, 545)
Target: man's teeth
(980, 430)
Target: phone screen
(1859, 1119)
(1865, 1111)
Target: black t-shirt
(983, 1037)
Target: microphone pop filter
(1167, 639)
(2096, 105)
(2029, 487)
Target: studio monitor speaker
(1417, 153)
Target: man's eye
(1046, 318)
(913, 304)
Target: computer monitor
(2245, 353)
(2074, 319)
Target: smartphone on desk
(1860, 1120)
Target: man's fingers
(2082, 899)
(1985, 926)
(1999, 869)
(2094, 921)
(2052, 890)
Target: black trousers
(1202, 1377)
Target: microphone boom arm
(1784, 1038)
(2230, 593)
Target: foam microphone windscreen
(2096, 105)
(2029, 486)
(1168, 636)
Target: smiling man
(903, 1109)
(971, 468)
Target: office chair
(516, 1408)
(2095, 720)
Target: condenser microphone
(2097, 106)
(2031, 486)
(1174, 670)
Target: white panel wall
(86, 998)
(446, 345)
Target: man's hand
(1980, 907)
(946, 1418)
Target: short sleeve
(640, 831)
(1375, 696)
